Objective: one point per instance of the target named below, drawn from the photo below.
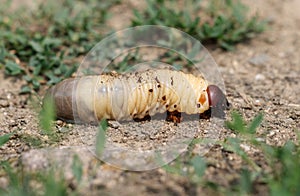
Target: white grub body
(130, 96)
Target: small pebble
(282, 54)
(245, 147)
(272, 133)
(260, 77)
(259, 139)
(114, 124)
(257, 102)
(4, 182)
(4, 103)
(59, 122)
(259, 59)
(63, 129)
(230, 158)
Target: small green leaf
(51, 42)
(237, 123)
(194, 51)
(36, 84)
(226, 45)
(37, 69)
(12, 68)
(31, 140)
(103, 125)
(36, 46)
(234, 145)
(47, 115)
(13, 177)
(4, 138)
(246, 181)
(53, 79)
(53, 184)
(25, 89)
(101, 137)
(199, 165)
(77, 168)
(254, 124)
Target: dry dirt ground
(262, 75)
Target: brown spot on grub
(139, 80)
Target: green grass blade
(4, 138)
(77, 168)
(255, 123)
(199, 165)
(237, 124)
(101, 137)
(47, 115)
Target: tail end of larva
(61, 95)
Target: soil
(261, 75)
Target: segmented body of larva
(132, 95)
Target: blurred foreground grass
(282, 178)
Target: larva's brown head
(217, 101)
